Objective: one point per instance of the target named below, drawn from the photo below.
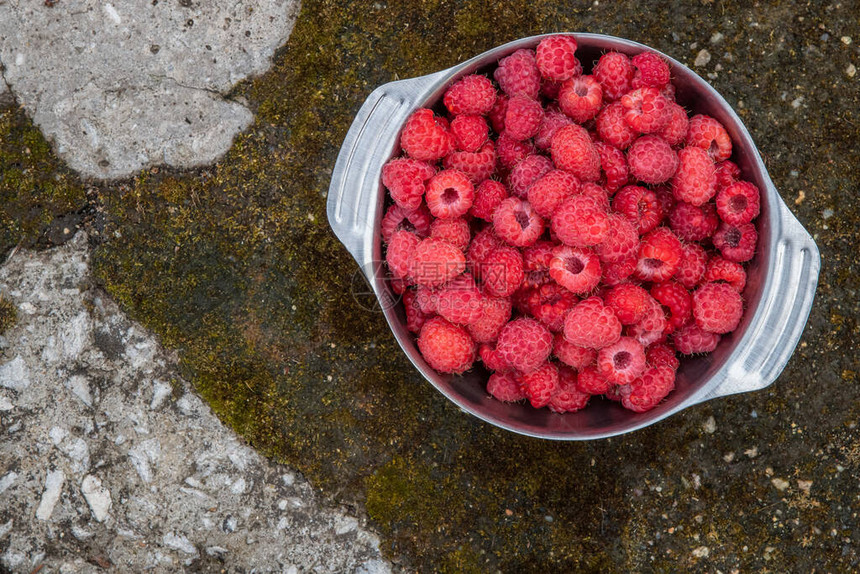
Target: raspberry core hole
(575, 265)
(581, 89)
(621, 360)
(714, 149)
(733, 237)
(738, 203)
(522, 219)
(652, 263)
(450, 195)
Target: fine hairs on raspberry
(569, 225)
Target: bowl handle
(770, 341)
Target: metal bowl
(781, 281)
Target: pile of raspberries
(574, 232)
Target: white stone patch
(179, 542)
(144, 457)
(5, 528)
(97, 496)
(80, 387)
(112, 14)
(160, 391)
(53, 488)
(15, 375)
(6, 404)
(7, 480)
(75, 335)
(238, 487)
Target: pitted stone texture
(107, 457)
(121, 85)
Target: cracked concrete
(118, 86)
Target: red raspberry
(614, 166)
(652, 160)
(552, 121)
(629, 302)
(736, 242)
(692, 223)
(612, 128)
(592, 324)
(498, 112)
(540, 385)
(449, 193)
(496, 312)
(695, 181)
(556, 58)
(708, 134)
(573, 151)
(692, 265)
(615, 273)
(455, 231)
(426, 137)
(662, 354)
(415, 317)
(492, 359)
(572, 355)
(621, 362)
(528, 171)
(470, 95)
(404, 179)
(580, 98)
(717, 307)
(524, 344)
(665, 198)
(676, 299)
(550, 190)
(426, 298)
(669, 91)
(614, 393)
(580, 222)
(577, 270)
(727, 173)
(590, 381)
(640, 206)
(488, 195)
(523, 117)
(646, 110)
(536, 259)
(502, 271)
(549, 304)
(738, 203)
(396, 218)
(435, 262)
(659, 255)
(675, 130)
(505, 387)
(621, 243)
(652, 327)
(399, 252)
(460, 301)
(722, 270)
(482, 244)
(399, 286)
(509, 152)
(549, 89)
(595, 192)
(692, 339)
(470, 132)
(477, 166)
(517, 223)
(651, 71)
(614, 71)
(568, 398)
(518, 74)
(646, 392)
(447, 348)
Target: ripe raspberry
(536, 259)
(477, 166)
(675, 130)
(573, 151)
(517, 223)
(470, 132)
(404, 179)
(629, 302)
(580, 98)
(549, 304)
(580, 222)
(692, 265)
(454, 230)
(592, 324)
(695, 181)
(662, 354)
(646, 392)
(528, 171)
(518, 74)
(717, 307)
(540, 385)
(492, 359)
(549, 89)
(614, 393)
(399, 252)
(595, 192)
(652, 327)
(665, 198)
(498, 112)
(615, 273)
(736, 242)
(415, 317)
(614, 166)
(727, 173)
(523, 117)
(646, 110)
(482, 244)
(659, 255)
(447, 348)
(621, 362)
(568, 398)
(577, 270)
(398, 286)
(612, 128)
(449, 193)
(435, 262)
(621, 243)
(640, 206)
(614, 71)
(426, 137)
(651, 71)
(524, 344)
(692, 223)
(396, 218)
(470, 95)
(502, 271)
(426, 298)
(738, 203)
(552, 121)
(591, 381)
(652, 160)
(572, 355)
(488, 195)
(505, 387)
(460, 301)
(692, 339)
(556, 57)
(708, 134)
(677, 300)
(509, 152)
(550, 190)
(669, 91)
(495, 314)
(720, 270)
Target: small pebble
(850, 71)
(846, 40)
(702, 58)
(716, 37)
